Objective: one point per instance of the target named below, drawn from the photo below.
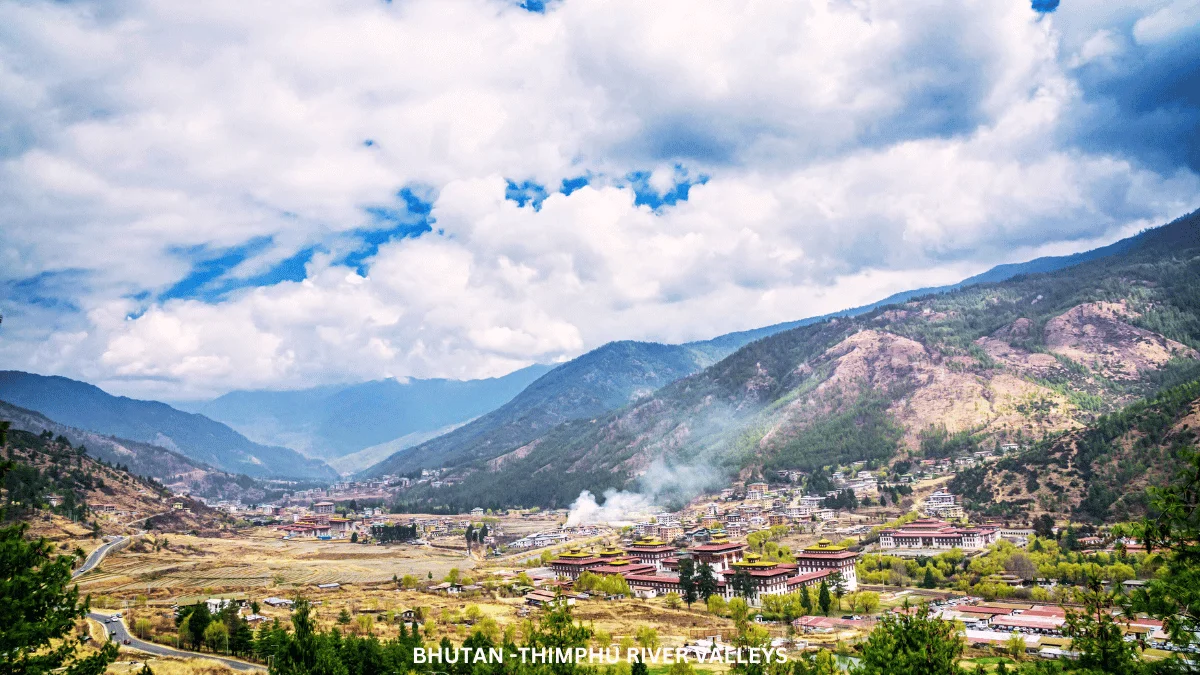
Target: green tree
(743, 584)
(806, 600)
(1174, 594)
(639, 668)
(198, 621)
(216, 636)
(706, 582)
(1015, 646)
(353, 537)
(141, 628)
(344, 617)
(647, 637)
(823, 599)
(687, 581)
(39, 607)
(929, 581)
(916, 644)
(838, 586)
(1096, 635)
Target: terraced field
(261, 560)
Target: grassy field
(259, 561)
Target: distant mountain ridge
(85, 406)
(616, 373)
(332, 422)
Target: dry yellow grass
(262, 562)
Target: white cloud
(854, 149)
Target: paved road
(122, 634)
(96, 556)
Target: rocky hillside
(1099, 472)
(171, 469)
(1013, 361)
(64, 493)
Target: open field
(261, 561)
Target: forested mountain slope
(199, 438)
(1097, 473)
(1011, 361)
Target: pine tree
(806, 600)
(929, 581)
(639, 668)
(706, 582)
(824, 600)
(687, 580)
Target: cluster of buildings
(942, 504)
(1041, 626)
(651, 566)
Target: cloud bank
(218, 196)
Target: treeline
(389, 533)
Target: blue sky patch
(570, 185)
(410, 218)
(208, 269)
(645, 194)
(526, 193)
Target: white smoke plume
(659, 484)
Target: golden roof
(754, 560)
(649, 541)
(824, 545)
(575, 552)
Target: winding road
(122, 634)
(96, 556)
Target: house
(105, 508)
(329, 586)
(279, 602)
(215, 605)
(54, 500)
(542, 598)
(476, 512)
(323, 507)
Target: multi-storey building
(938, 534)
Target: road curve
(96, 556)
(122, 634)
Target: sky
(201, 197)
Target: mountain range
(987, 363)
(1008, 354)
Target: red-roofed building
(720, 555)
(651, 551)
(825, 555)
(938, 534)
